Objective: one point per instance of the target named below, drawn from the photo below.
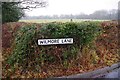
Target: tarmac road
(113, 74)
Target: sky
(59, 7)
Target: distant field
(56, 20)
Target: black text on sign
(55, 41)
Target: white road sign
(55, 41)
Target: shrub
(22, 47)
(82, 33)
(26, 48)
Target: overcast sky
(58, 7)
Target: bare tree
(13, 11)
(30, 4)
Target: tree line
(13, 11)
(100, 14)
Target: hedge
(26, 48)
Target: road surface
(112, 74)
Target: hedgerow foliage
(22, 47)
(82, 33)
(26, 48)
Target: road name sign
(55, 41)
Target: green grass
(56, 20)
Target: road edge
(93, 73)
